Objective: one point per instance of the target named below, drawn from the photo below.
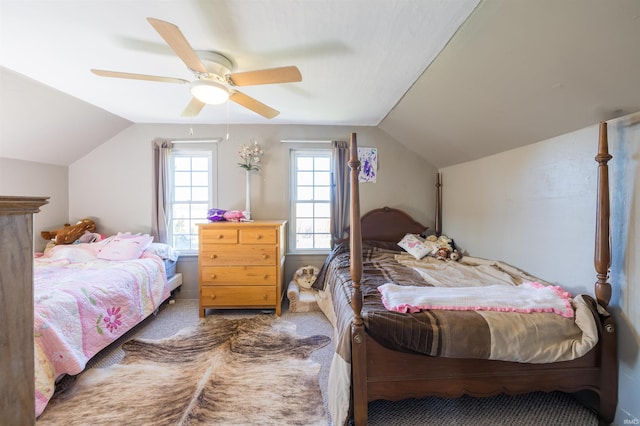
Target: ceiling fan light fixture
(209, 92)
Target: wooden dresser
(241, 264)
(17, 401)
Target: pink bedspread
(82, 304)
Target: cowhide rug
(248, 371)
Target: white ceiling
(449, 88)
(357, 57)
(523, 71)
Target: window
(311, 197)
(190, 194)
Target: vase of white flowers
(250, 161)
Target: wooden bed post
(602, 256)
(358, 348)
(602, 261)
(438, 218)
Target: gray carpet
(530, 409)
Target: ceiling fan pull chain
(227, 139)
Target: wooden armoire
(17, 387)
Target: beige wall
(534, 207)
(112, 184)
(26, 178)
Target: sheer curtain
(160, 215)
(340, 194)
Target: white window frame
(294, 153)
(208, 149)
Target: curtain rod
(216, 140)
(303, 141)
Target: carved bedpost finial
(356, 233)
(438, 218)
(602, 255)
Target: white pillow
(128, 234)
(125, 247)
(164, 251)
(414, 245)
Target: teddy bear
(69, 233)
(442, 253)
(302, 296)
(306, 276)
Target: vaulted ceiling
(453, 80)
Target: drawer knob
(213, 256)
(266, 276)
(214, 276)
(258, 237)
(265, 297)
(213, 296)
(264, 256)
(220, 236)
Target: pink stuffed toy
(234, 216)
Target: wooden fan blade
(128, 75)
(268, 76)
(177, 41)
(193, 109)
(254, 105)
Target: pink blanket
(524, 298)
(82, 304)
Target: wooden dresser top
(267, 222)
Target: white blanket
(525, 298)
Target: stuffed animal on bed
(69, 233)
(455, 255)
(442, 253)
(443, 248)
(306, 276)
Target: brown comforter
(456, 334)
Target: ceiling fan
(214, 79)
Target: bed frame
(381, 373)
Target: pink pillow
(125, 247)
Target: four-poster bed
(379, 372)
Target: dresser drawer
(219, 236)
(258, 236)
(240, 296)
(239, 275)
(213, 255)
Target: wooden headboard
(388, 224)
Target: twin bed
(86, 296)
(551, 343)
